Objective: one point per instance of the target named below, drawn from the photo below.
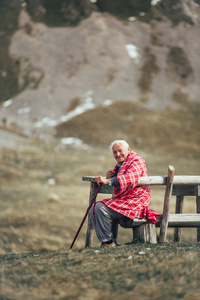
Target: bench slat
(161, 180)
(184, 220)
(175, 220)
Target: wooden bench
(143, 231)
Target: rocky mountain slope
(147, 53)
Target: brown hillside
(174, 131)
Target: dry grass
(138, 271)
(38, 220)
(174, 132)
(38, 215)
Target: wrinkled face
(120, 153)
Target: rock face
(104, 59)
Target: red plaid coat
(132, 201)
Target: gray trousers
(105, 221)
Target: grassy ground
(38, 221)
(141, 271)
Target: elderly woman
(129, 201)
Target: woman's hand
(100, 179)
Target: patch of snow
(131, 19)
(38, 124)
(51, 181)
(45, 122)
(133, 52)
(24, 110)
(93, 1)
(74, 142)
(49, 122)
(87, 105)
(7, 103)
(107, 102)
(154, 2)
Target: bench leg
(145, 233)
(90, 227)
(89, 234)
(115, 230)
(198, 211)
(179, 210)
(166, 205)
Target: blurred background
(74, 76)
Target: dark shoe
(111, 245)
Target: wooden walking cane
(92, 201)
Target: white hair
(117, 142)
